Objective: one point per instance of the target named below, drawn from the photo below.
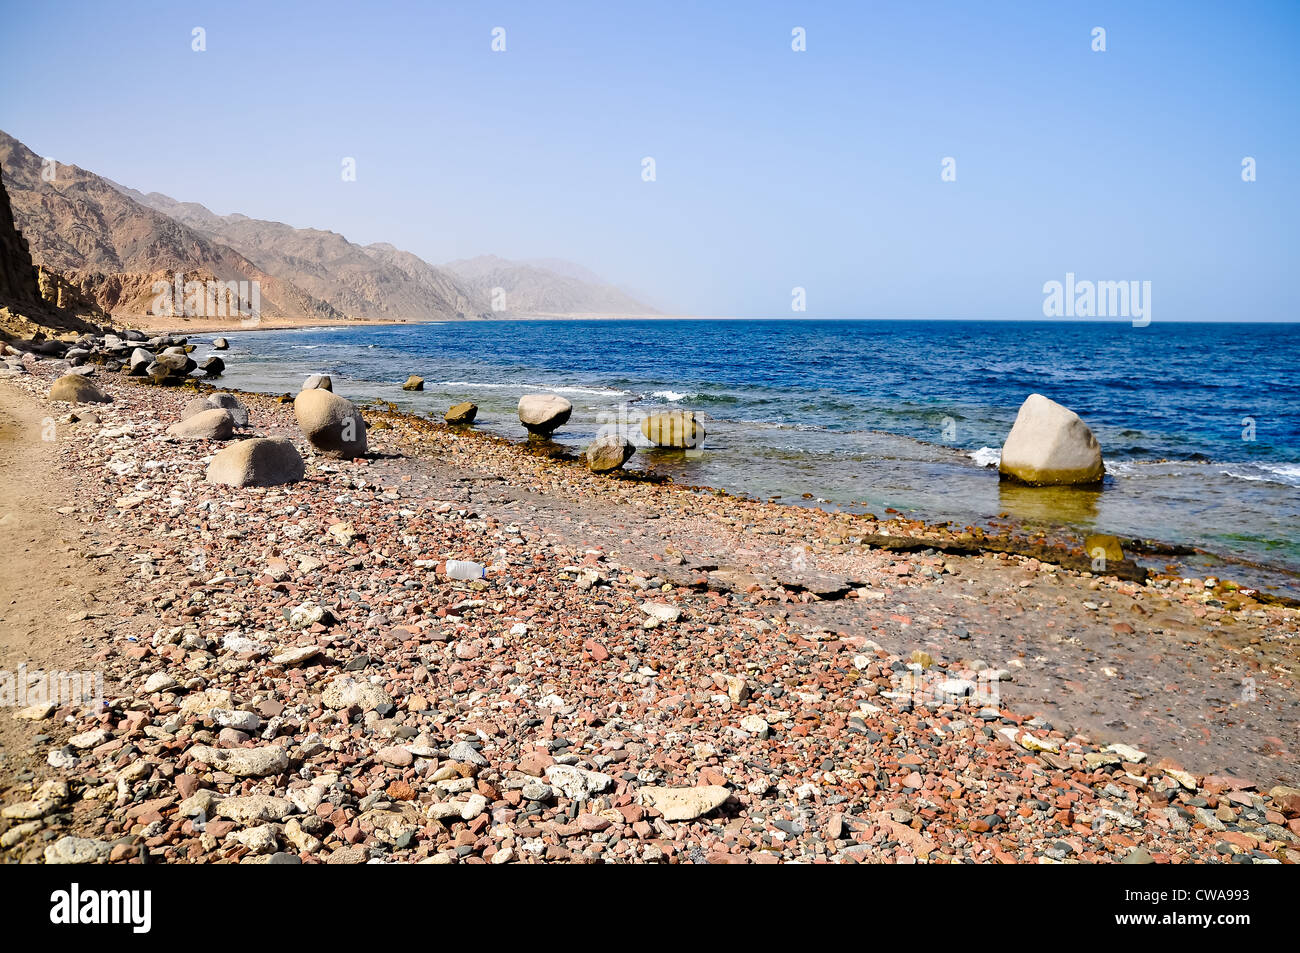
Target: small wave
(1283, 474)
(986, 456)
(596, 391)
(673, 396)
(539, 388)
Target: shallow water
(1199, 423)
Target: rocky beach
(642, 672)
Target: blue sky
(775, 168)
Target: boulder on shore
(1050, 446)
(543, 413)
(332, 424)
(75, 389)
(673, 428)
(220, 401)
(608, 453)
(461, 414)
(413, 383)
(230, 403)
(262, 461)
(212, 424)
(138, 361)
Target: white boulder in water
(543, 413)
(1050, 446)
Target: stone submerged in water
(75, 389)
(608, 453)
(1108, 547)
(461, 414)
(543, 413)
(413, 383)
(262, 461)
(1050, 446)
(673, 428)
(332, 424)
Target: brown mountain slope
(382, 281)
(327, 265)
(36, 299)
(79, 224)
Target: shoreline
(1276, 582)
(581, 558)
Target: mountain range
(113, 243)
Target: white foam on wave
(672, 396)
(986, 456)
(539, 388)
(1283, 474)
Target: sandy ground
(52, 586)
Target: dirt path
(50, 593)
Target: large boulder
(608, 453)
(230, 402)
(222, 401)
(1050, 446)
(414, 383)
(139, 360)
(212, 424)
(461, 414)
(543, 413)
(213, 366)
(75, 389)
(332, 425)
(673, 428)
(177, 362)
(262, 461)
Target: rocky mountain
(18, 285)
(543, 286)
(387, 283)
(79, 224)
(114, 242)
(34, 298)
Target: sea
(1199, 423)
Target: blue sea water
(1199, 423)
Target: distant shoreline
(154, 324)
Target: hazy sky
(775, 169)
